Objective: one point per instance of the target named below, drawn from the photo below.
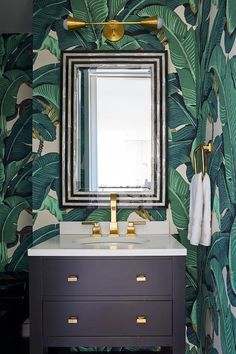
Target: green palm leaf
(2, 176)
(51, 44)
(45, 172)
(179, 152)
(123, 214)
(179, 199)
(232, 256)
(46, 13)
(78, 214)
(11, 43)
(2, 50)
(126, 43)
(134, 5)
(51, 204)
(227, 99)
(69, 39)
(90, 11)
(44, 126)
(19, 142)
(47, 74)
(21, 56)
(183, 50)
(226, 317)
(9, 86)
(22, 183)
(9, 214)
(51, 93)
(99, 215)
(178, 113)
(19, 261)
(114, 7)
(148, 42)
(12, 169)
(231, 15)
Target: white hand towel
(206, 218)
(195, 209)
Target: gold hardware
(113, 223)
(96, 231)
(113, 30)
(203, 148)
(141, 277)
(73, 320)
(72, 278)
(72, 23)
(151, 22)
(131, 229)
(141, 320)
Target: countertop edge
(106, 253)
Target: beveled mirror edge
(95, 199)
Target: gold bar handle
(141, 277)
(73, 320)
(141, 320)
(72, 278)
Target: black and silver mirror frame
(72, 197)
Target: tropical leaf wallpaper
(199, 36)
(15, 144)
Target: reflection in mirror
(117, 130)
(113, 128)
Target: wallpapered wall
(200, 39)
(15, 144)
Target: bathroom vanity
(107, 291)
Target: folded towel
(195, 209)
(206, 217)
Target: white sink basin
(103, 242)
(111, 240)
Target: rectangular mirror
(114, 128)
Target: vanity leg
(178, 305)
(35, 306)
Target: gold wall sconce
(113, 30)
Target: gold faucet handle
(131, 227)
(96, 230)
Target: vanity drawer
(107, 276)
(120, 318)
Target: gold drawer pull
(72, 278)
(141, 277)
(141, 320)
(73, 320)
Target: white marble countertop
(84, 246)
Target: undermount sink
(112, 242)
(103, 242)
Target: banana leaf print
(202, 71)
(15, 139)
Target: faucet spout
(113, 223)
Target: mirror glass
(116, 138)
(113, 128)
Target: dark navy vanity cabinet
(107, 301)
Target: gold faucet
(113, 223)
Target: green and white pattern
(200, 37)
